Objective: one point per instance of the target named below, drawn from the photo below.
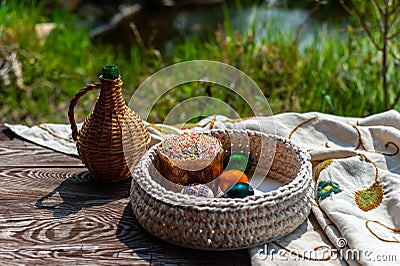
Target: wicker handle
(74, 101)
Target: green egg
(237, 161)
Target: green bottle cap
(110, 72)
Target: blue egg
(239, 190)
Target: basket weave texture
(225, 223)
(111, 132)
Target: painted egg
(237, 161)
(239, 190)
(199, 190)
(230, 178)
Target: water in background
(162, 28)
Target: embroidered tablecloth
(356, 166)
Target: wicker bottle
(113, 138)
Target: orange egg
(231, 177)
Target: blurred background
(330, 56)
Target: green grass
(53, 71)
(334, 74)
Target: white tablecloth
(356, 215)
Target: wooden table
(53, 212)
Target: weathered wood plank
(15, 152)
(71, 256)
(63, 216)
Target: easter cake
(190, 157)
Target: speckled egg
(199, 190)
(230, 178)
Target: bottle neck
(111, 93)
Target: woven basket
(111, 132)
(224, 223)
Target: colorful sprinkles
(190, 146)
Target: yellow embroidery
(213, 122)
(395, 145)
(327, 145)
(362, 145)
(54, 135)
(326, 188)
(163, 129)
(394, 229)
(209, 123)
(327, 225)
(301, 124)
(321, 167)
(369, 198)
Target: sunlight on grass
(337, 72)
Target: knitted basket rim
(151, 199)
(188, 200)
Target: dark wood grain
(62, 216)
